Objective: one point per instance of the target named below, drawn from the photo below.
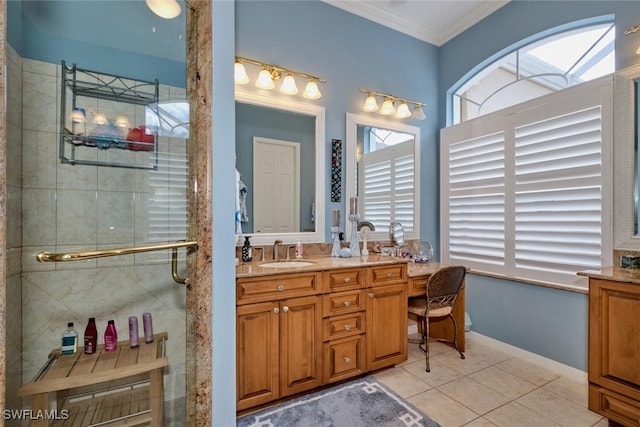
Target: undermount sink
(286, 264)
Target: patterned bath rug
(360, 403)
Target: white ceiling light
(167, 9)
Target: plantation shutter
(388, 187)
(526, 192)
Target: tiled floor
(490, 387)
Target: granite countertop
(616, 274)
(320, 263)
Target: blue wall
(549, 322)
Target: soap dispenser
(246, 250)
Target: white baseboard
(536, 359)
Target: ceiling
(432, 21)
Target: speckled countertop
(616, 274)
(320, 263)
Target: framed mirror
(625, 158)
(287, 203)
(383, 171)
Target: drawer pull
(280, 288)
(347, 327)
(347, 304)
(347, 280)
(285, 309)
(372, 295)
(389, 275)
(276, 310)
(347, 360)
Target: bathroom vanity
(299, 328)
(614, 348)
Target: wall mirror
(625, 157)
(383, 171)
(286, 203)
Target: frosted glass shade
(100, 119)
(240, 74)
(264, 80)
(311, 91)
(122, 122)
(418, 114)
(403, 111)
(167, 9)
(387, 108)
(370, 104)
(288, 86)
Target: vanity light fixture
(167, 9)
(632, 30)
(388, 105)
(269, 73)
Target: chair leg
(426, 341)
(455, 335)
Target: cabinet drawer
(616, 407)
(269, 288)
(343, 326)
(387, 274)
(343, 358)
(418, 286)
(342, 302)
(343, 279)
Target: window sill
(568, 288)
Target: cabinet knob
(276, 310)
(347, 359)
(347, 304)
(372, 295)
(285, 309)
(347, 327)
(280, 288)
(347, 280)
(389, 275)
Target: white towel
(238, 222)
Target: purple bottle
(133, 331)
(148, 327)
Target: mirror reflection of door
(276, 166)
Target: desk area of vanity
(300, 328)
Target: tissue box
(629, 261)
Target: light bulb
(122, 122)
(312, 91)
(167, 9)
(370, 104)
(418, 114)
(78, 115)
(240, 74)
(288, 86)
(100, 119)
(387, 107)
(265, 81)
(403, 111)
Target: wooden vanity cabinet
(279, 342)
(387, 319)
(614, 350)
(343, 324)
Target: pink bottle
(148, 327)
(133, 331)
(110, 337)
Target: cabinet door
(386, 325)
(257, 354)
(300, 344)
(614, 328)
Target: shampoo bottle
(110, 337)
(246, 250)
(133, 331)
(90, 337)
(69, 340)
(148, 327)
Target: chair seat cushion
(418, 306)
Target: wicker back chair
(441, 294)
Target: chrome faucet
(275, 249)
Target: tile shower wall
(67, 208)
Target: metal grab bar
(78, 256)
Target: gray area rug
(360, 403)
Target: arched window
(544, 65)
